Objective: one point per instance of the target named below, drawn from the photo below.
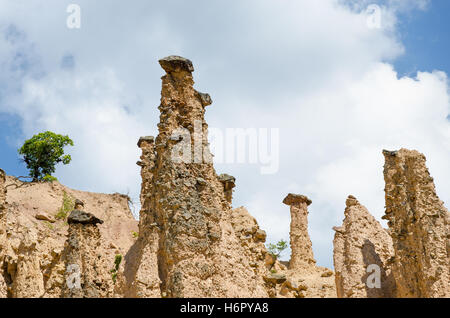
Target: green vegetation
(42, 152)
(276, 249)
(115, 270)
(49, 225)
(135, 234)
(67, 206)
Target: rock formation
(2, 192)
(199, 253)
(33, 252)
(190, 242)
(302, 254)
(419, 225)
(228, 183)
(86, 275)
(359, 244)
(141, 267)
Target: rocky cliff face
(33, 234)
(359, 244)
(419, 225)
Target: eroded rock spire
(302, 254)
(419, 225)
(86, 272)
(362, 248)
(199, 253)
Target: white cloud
(311, 68)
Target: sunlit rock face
(419, 226)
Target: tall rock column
(141, 262)
(302, 254)
(199, 254)
(419, 224)
(85, 274)
(362, 248)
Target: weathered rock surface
(81, 217)
(141, 262)
(419, 225)
(303, 278)
(359, 243)
(87, 271)
(302, 254)
(33, 252)
(185, 208)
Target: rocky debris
(176, 64)
(359, 243)
(419, 226)
(42, 216)
(81, 217)
(302, 254)
(228, 182)
(275, 278)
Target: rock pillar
(302, 254)
(419, 225)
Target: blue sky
(424, 35)
(338, 91)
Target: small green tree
(42, 152)
(277, 249)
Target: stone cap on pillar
(295, 199)
(149, 139)
(227, 181)
(78, 204)
(81, 217)
(174, 63)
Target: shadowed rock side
(359, 243)
(419, 226)
(199, 253)
(141, 262)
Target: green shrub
(67, 206)
(276, 249)
(115, 270)
(42, 152)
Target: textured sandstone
(141, 262)
(302, 254)
(185, 210)
(303, 278)
(359, 243)
(419, 225)
(228, 183)
(86, 272)
(33, 252)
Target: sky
(339, 82)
